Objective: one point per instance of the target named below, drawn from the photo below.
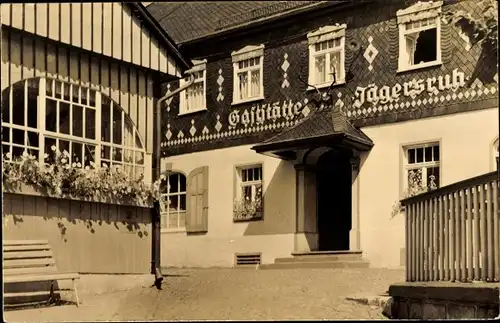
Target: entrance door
(334, 201)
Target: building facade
(83, 78)
(268, 157)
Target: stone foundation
(443, 300)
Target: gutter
(156, 231)
(166, 38)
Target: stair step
(318, 258)
(318, 264)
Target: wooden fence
(452, 233)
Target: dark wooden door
(334, 201)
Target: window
(248, 74)
(173, 202)
(422, 169)
(327, 55)
(40, 113)
(248, 204)
(194, 98)
(419, 36)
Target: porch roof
(325, 127)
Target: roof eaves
(165, 37)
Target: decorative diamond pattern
(370, 53)
(205, 130)
(220, 80)
(168, 134)
(218, 125)
(285, 67)
(169, 100)
(495, 77)
(180, 134)
(306, 111)
(476, 84)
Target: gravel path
(232, 294)
(246, 294)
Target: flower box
(32, 190)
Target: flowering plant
(57, 177)
(246, 209)
(415, 187)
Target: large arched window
(173, 202)
(40, 113)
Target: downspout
(156, 255)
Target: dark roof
(185, 21)
(318, 127)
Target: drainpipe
(156, 268)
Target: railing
(452, 233)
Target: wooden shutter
(197, 201)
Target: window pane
(75, 93)
(64, 118)
(174, 203)
(48, 87)
(411, 156)
(63, 146)
(128, 156)
(105, 123)
(77, 120)
(89, 151)
(436, 153)
(334, 65)
(5, 134)
(117, 125)
(57, 90)
(76, 153)
(428, 154)
(18, 136)
(117, 154)
(139, 171)
(139, 157)
(17, 152)
(182, 202)
(182, 183)
(49, 143)
(244, 176)
(32, 110)
(243, 77)
(33, 139)
(66, 91)
(106, 152)
(5, 150)
(420, 155)
(18, 104)
(250, 174)
(89, 123)
(174, 183)
(320, 68)
(50, 117)
(247, 193)
(433, 175)
(255, 88)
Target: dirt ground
(230, 294)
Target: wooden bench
(32, 261)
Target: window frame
(418, 12)
(422, 165)
(44, 134)
(239, 186)
(199, 66)
(165, 197)
(246, 53)
(323, 34)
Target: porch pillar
(306, 233)
(354, 236)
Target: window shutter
(197, 201)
